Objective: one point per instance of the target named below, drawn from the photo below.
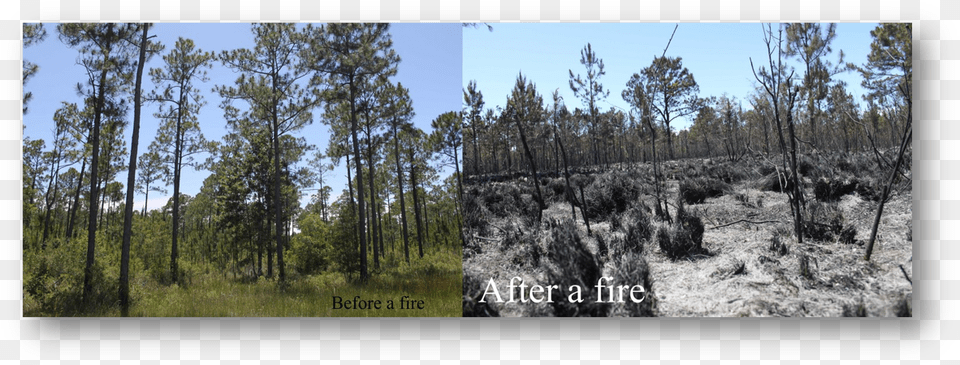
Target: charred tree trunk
(533, 168)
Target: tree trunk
(907, 137)
(177, 160)
(276, 190)
(131, 181)
(403, 207)
(361, 214)
(76, 198)
(94, 167)
(533, 168)
(54, 185)
(416, 201)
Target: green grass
(436, 279)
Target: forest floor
(739, 272)
(434, 280)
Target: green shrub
(310, 248)
(54, 280)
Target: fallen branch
(743, 221)
(486, 239)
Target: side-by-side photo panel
(687, 170)
(251, 170)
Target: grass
(436, 280)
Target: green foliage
(311, 247)
(32, 34)
(345, 250)
(53, 279)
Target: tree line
(248, 208)
(793, 110)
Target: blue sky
(430, 68)
(718, 56)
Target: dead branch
(486, 239)
(905, 274)
(744, 221)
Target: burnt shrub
(903, 308)
(529, 206)
(848, 235)
(571, 263)
(857, 310)
(631, 269)
(777, 182)
(520, 248)
(697, 190)
(766, 169)
(806, 166)
(602, 247)
(610, 193)
(501, 199)
(473, 289)
(683, 237)
(831, 190)
(637, 228)
(727, 172)
(677, 243)
(472, 211)
(555, 190)
(870, 189)
(824, 221)
(806, 267)
(690, 225)
(778, 246)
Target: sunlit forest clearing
(794, 200)
(283, 221)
